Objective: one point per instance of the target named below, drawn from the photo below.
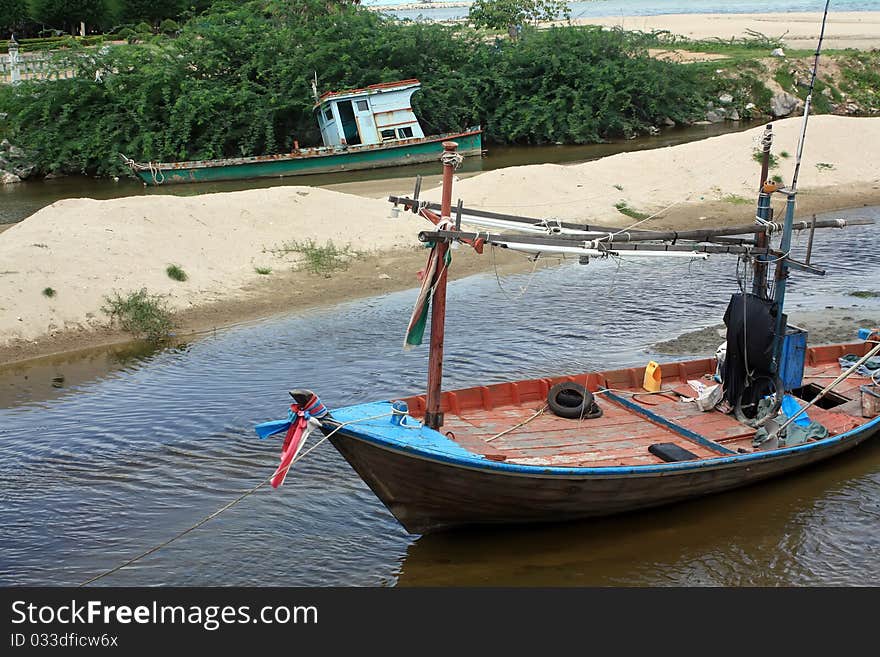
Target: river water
(107, 466)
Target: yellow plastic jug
(652, 377)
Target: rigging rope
(225, 507)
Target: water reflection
(766, 535)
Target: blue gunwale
(394, 441)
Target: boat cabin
(378, 114)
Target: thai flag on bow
(300, 422)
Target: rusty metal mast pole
(433, 414)
(762, 240)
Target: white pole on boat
(782, 267)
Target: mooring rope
(227, 506)
(537, 413)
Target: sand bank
(709, 182)
(86, 249)
(859, 30)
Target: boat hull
(428, 495)
(310, 161)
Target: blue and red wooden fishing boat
(553, 469)
(506, 453)
(598, 443)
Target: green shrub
(169, 26)
(141, 314)
(623, 208)
(176, 273)
(320, 259)
(48, 292)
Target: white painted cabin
(378, 114)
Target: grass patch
(623, 208)
(263, 271)
(736, 199)
(864, 294)
(758, 156)
(48, 292)
(785, 79)
(784, 154)
(777, 179)
(824, 166)
(141, 314)
(176, 273)
(320, 259)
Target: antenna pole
(782, 267)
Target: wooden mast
(433, 414)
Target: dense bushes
(236, 82)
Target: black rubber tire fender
(757, 423)
(572, 401)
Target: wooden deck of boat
(500, 422)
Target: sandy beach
(860, 30)
(87, 250)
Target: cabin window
(405, 133)
(387, 134)
(362, 106)
(328, 114)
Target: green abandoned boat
(364, 128)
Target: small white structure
(377, 114)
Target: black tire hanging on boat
(755, 389)
(572, 401)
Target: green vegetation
(48, 292)
(320, 259)
(236, 81)
(758, 156)
(754, 44)
(506, 14)
(623, 208)
(263, 271)
(824, 166)
(861, 77)
(864, 294)
(53, 18)
(204, 80)
(142, 314)
(176, 273)
(777, 179)
(736, 199)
